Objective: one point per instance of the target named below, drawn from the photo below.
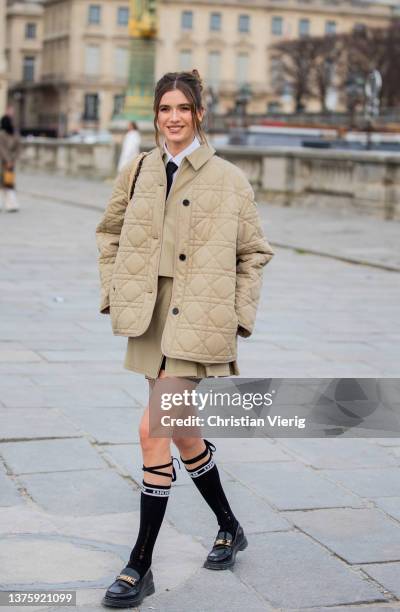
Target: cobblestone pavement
(322, 516)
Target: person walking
(130, 145)
(9, 152)
(181, 253)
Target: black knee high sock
(153, 503)
(207, 480)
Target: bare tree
(296, 58)
(327, 55)
(308, 67)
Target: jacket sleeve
(252, 254)
(108, 234)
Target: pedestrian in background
(130, 145)
(9, 151)
(181, 255)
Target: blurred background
(281, 77)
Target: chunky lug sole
(113, 602)
(215, 565)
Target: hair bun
(196, 74)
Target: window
(187, 20)
(92, 60)
(214, 69)
(304, 27)
(121, 58)
(28, 70)
(119, 101)
(215, 22)
(277, 26)
(244, 23)
(94, 14)
(123, 16)
(91, 110)
(276, 71)
(242, 68)
(30, 30)
(185, 59)
(330, 27)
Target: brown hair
(190, 84)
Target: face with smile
(175, 120)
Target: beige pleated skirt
(143, 353)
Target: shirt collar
(195, 144)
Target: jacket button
(175, 310)
(182, 256)
(186, 202)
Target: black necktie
(171, 168)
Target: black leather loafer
(129, 589)
(225, 548)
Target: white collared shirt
(195, 144)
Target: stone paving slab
(10, 356)
(292, 571)
(46, 558)
(362, 535)
(26, 518)
(38, 423)
(117, 529)
(370, 483)
(107, 425)
(291, 486)
(50, 456)
(249, 450)
(339, 453)
(81, 356)
(223, 589)
(387, 574)
(185, 503)
(81, 492)
(63, 396)
(9, 495)
(391, 505)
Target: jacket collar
(197, 158)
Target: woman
(130, 145)
(9, 151)
(181, 270)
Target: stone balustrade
(367, 182)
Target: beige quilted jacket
(216, 285)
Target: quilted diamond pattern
(216, 291)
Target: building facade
(74, 74)
(24, 41)
(3, 64)
(68, 60)
(230, 42)
(85, 61)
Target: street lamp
(373, 86)
(243, 97)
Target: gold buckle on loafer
(126, 578)
(223, 542)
